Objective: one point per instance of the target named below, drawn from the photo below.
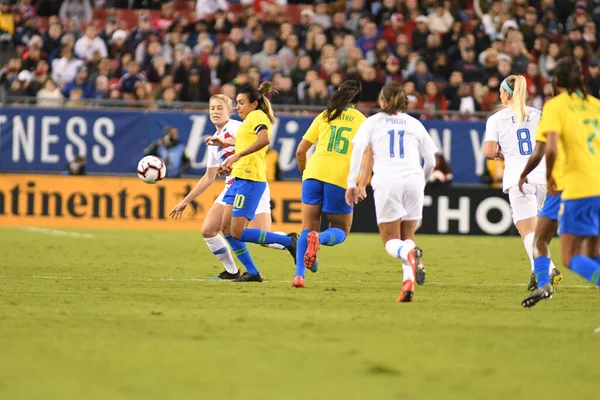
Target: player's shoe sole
(298, 282)
(555, 278)
(246, 277)
(420, 271)
(310, 257)
(545, 292)
(407, 293)
(532, 283)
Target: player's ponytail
(348, 93)
(516, 87)
(260, 96)
(395, 98)
(568, 75)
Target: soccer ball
(151, 169)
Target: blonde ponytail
(517, 86)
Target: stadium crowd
(450, 55)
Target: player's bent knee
(209, 232)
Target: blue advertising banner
(44, 140)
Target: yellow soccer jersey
(330, 162)
(547, 123)
(252, 167)
(575, 120)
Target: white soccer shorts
(264, 207)
(526, 205)
(399, 198)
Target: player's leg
(211, 228)
(234, 225)
(544, 269)
(253, 192)
(413, 197)
(312, 200)
(390, 211)
(524, 211)
(263, 218)
(339, 215)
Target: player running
(572, 126)
(324, 176)
(508, 134)
(248, 166)
(398, 142)
(221, 146)
(547, 223)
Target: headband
(506, 87)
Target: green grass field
(132, 315)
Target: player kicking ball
(398, 143)
(572, 128)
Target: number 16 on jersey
(392, 134)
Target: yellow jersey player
(324, 176)
(249, 168)
(573, 126)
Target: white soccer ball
(151, 169)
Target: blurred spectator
(76, 98)
(317, 93)
(76, 166)
(7, 22)
(421, 76)
(471, 70)
(419, 36)
(171, 151)
(78, 10)
(168, 99)
(592, 78)
(101, 87)
(440, 21)
(165, 83)
(208, 7)
(142, 94)
(194, 90)
(464, 101)
(133, 76)
(260, 60)
(80, 82)
(163, 21)
(285, 93)
(370, 86)
(64, 69)
(51, 39)
(370, 35)
(490, 95)
(89, 43)
(432, 101)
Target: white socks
(277, 246)
(400, 249)
(528, 243)
(220, 248)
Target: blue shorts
(245, 196)
(580, 217)
(551, 207)
(332, 198)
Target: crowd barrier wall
(44, 140)
(60, 201)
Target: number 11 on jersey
(392, 134)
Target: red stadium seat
(183, 6)
(130, 17)
(43, 23)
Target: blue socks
(301, 247)
(541, 269)
(332, 236)
(257, 236)
(587, 268)
(241, 252)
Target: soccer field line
(165, 279)
(57, 232)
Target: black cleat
(555, 278)
(292, 247)
(228, 275)
(532, 283)
(420, 273)
(545, 292)
(246, 277)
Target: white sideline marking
(116, 279)
(57, 232)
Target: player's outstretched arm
(534, 160)
(203, 183)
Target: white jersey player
(510, 133)
(221, 147)
(398, 143)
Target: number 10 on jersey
(392, 134)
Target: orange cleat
(412, 260)
(407, 293)
(310, 257)
(298, 282)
